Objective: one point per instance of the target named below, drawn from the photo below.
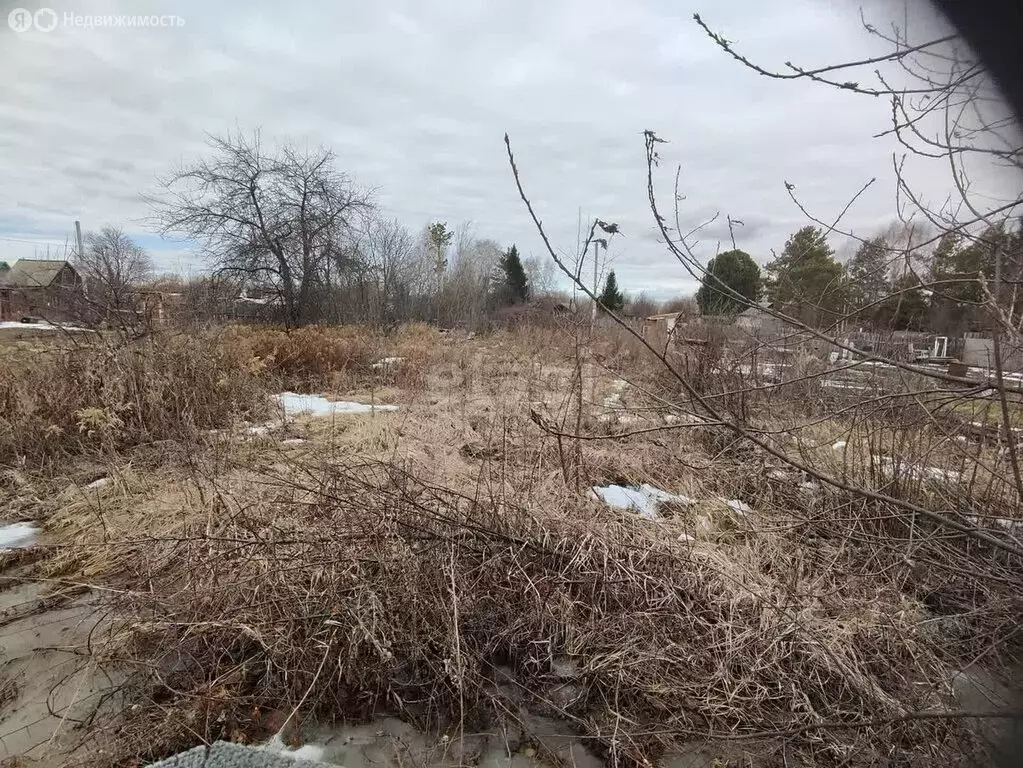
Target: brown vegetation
(414, 563)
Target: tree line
(290, 238)
(888, 283)
(301, 242)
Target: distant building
(158, 307)
(47, 288)
(664, 323)
(550, 305)
(759, 321)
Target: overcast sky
(414, 97)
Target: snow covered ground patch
(387, 362)
(311, 752)
(842, 385)
(889, 465)
(15, 324)
(614, 400)
(644, 499)
(739, 506)
(294, 404)
(18, 536)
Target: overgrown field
(254, 571)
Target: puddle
(18, 536)
(294, 404)
(644, 499)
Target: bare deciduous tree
(542, 274)
(398, 266)
(283, 218)
(113, 267)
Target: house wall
(980, 353)
(57, 305)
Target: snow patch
(889, 465)
(998, 427)
(103, 481)
(387, 361)
(739, 507)
(312, 752)
(838, 446)
(1008, 523)
(18, 536)
(842, 385)
(40, 326)
(614, 400)
(294, 404)
(615, 418)
(294, 441)
(689, 419)
(644, 499)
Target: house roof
(663, 316)
(33, 273)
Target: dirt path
(47, 686)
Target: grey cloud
(415, 96)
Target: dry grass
(100, 396)
(382, 591)
(305, 358)
(409, 562)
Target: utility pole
(596, 278)
(78, 237)
(578, 255)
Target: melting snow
(99, 483)
(40, 326)
(1008, 523)
(839, 445)
(741, 507)
(294, 404)
(643, 499)
(311, 752)
(614, 400)
(888, 464)
(18, 536)
(841, 385)
(615, 418)
(387, 361)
